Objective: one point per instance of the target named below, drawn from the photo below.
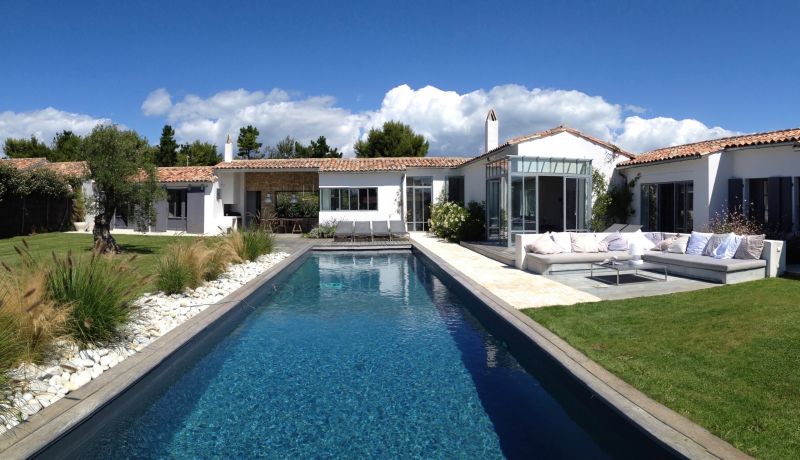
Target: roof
(552, 132)
(24, 163)
(176, 174)
(69, 168)
(698, 149)
(347, 164)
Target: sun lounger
(380, 229)
(630, 228)
(363, 231)
(397, 230)
(614, 228)
(344, 230)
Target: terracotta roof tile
(553, 131)
(186, 174)
(347, 164)
(25, 163)
(69, 168)
(698, 149)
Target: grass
(726, 357)
(146, 248)
(251, 243)
(187, 264)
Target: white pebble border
(72, 367)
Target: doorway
(252, 212)
(551, 204)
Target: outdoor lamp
(268, 199)
(635, 250)
(294, 198)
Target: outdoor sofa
(771, 262)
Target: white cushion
(638, 237)
(697, 242)
(679, 244)
(584, 242)
(563, 240)
(728, 247)
(543, 245)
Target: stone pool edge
(662, 423)
(57, 420)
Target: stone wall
(272, 182)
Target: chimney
(492, 131)
(228, 150)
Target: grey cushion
(714, 242)
(750, 247)
(655, 237)
(703, 262)
(616, 242)
(578, 257)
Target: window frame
(354, 197)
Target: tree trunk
(103, 240)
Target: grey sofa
(727, 271)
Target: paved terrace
(516, 287)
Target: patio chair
(380, 229)
(344, 230)
(363, 230)
(397, 230)
(630, 228)
(614, 228)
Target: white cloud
(45, 123)
(641, 134)
(158, 102)
(452, 122)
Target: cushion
(750, 247)
(638, 237)
(615, 242)
(703, 262)
(577, 257)
(728, 248)
(663, 245)
(714, 242)
(543, 245)
(563, 240)
(584, 242)
(697, 242)
(655, 237)
(679, 244)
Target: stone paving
(516, 287)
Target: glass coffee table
(626, 267)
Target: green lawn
(147, 248)
(726, 357)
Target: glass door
(419, 193)
(493, 209)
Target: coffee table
(628, 267)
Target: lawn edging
(55, 421)
(677, 432)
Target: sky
(642, 74)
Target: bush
(251, 243)
(474, 228)
(612, 204)
(447, 219)
(188, 265)
(734, 221)
(99, 290)
(323, 230)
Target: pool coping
(51, 423)
(675, 431)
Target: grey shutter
(195, 210)
(786, 204)
(735, 194)
(162, 212)
(774, 203)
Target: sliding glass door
(419, 194)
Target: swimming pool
(362, 355)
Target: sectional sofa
(726, 271)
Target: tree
(321, 149)
(24, 148)
(167, 152)
(395, 139)
(288, 147)
(198, 154)
(284, 148)
(66, 147)
(248, 142)
(124, 179)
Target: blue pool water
(360, 356)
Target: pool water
(360, 356)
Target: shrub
(612, 203)
(188, 265)
(735, 221)
(98, 289)
(474, 228)
(447, 219)
(251, 243)
(323, 230)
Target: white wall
(474, 181)
(568, 145)
(389, 185)
(214, 220)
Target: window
(455, 189)
(668, 207)
(349, 199)
(176, 203)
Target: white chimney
(228, 150)
(492, 131)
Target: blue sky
(642, 73)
